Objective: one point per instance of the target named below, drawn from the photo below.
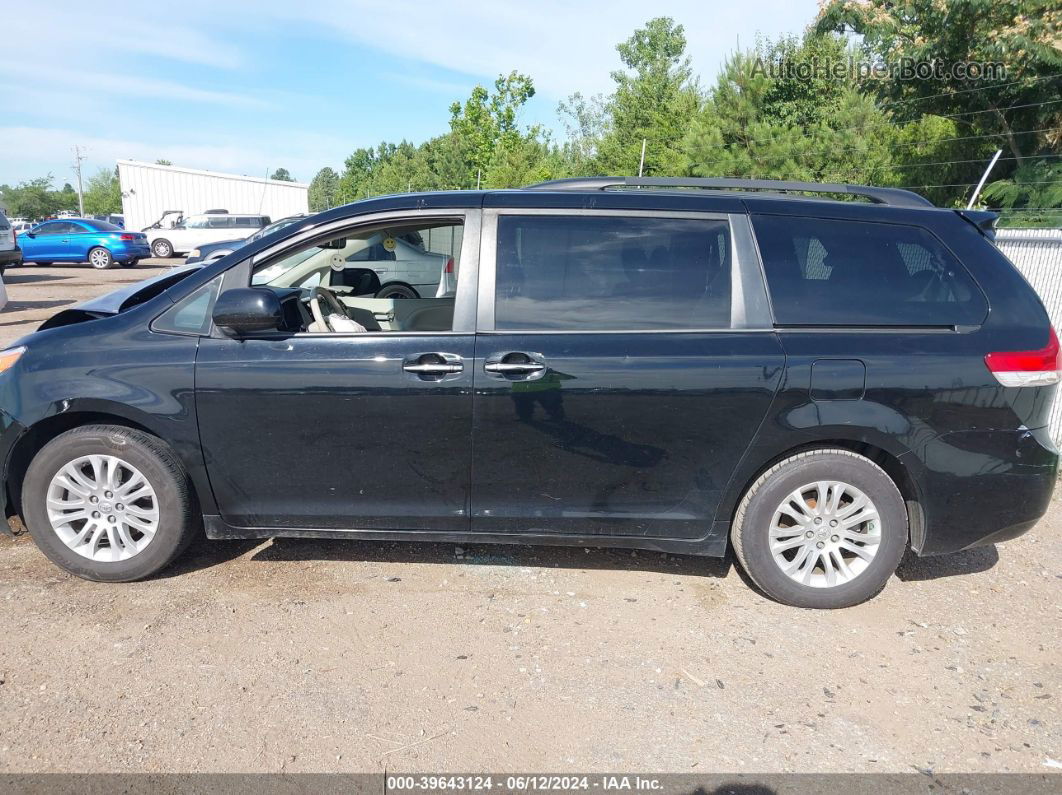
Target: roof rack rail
(895, 197)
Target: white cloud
(107, 84)
(66, 34)
(564, 46)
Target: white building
(149, 190)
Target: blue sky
(249, 87)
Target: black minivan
(662, 364)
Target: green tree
(32, 199)
(282, 175)
(763, 119)
(103, 193)
(1031, 196)
(161, 162)
(488, 120)
(585, 121)
(1022, 35)
(324, 188)
(655, 99)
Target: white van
(193, 231)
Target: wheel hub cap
(103, 508)
(825, 534)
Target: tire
(42, 263)
(100, 258)
(177, 523)
(849, 475)
(162, 248)
(132, 263)
(397, 291)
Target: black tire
(179, 521)
(162, 248)
(750, 533)
(42, 263)
(132, 263)
(397, 291)
(100, 258)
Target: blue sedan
(99, 243)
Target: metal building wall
(1037, 253)
(148, 190)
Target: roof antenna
(984, 176)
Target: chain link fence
(1037, 253)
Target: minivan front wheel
(108, 503)
(824, 528)
(162, 248)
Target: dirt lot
(321, 655)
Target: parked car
(211, 252)
(98, 243)
(675, 365)
(21, 226)
(10, 253)
(112, 218)
(194, 231)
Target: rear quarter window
(4, 223)
(823, 272)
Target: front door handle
(433, 366)
(515, 366)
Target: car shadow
(15, 306)
(15, 277)
(207, 553)
(970, 561)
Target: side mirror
(246, 310)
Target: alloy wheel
(103, 508)
(825, 534)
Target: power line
(968, 184)
(969, 90)
(975, 160)
(762, 158)
(994, 110)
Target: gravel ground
(305, 655)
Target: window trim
(749, 308)
(470, 218)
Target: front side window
(195, 222)
(381, 278)
(612, 273)
(855, 273)
(192, 314)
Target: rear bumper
(128, 252)
(983, 487)
(7, 256)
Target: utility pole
(641, 163)
(78, 157)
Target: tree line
(776, 111)
(786, 108)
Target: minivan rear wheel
(824, 528)
(108, 503)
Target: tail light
(1028, 368)
(127, 237)
(449, 266)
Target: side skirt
(711, 545)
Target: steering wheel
(334, 307)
